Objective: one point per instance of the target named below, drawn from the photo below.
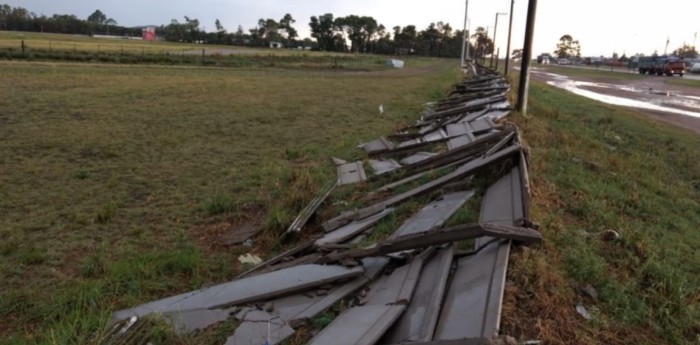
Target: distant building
(276, 45)
(148, 33)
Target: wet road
(679, 105)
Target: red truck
(671, 67)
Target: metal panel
(473, 303)
(304, 306)
(481, 125)
(417, 157)
(502, 204)
(359, 325)
(309, 210)
(434, 214)
(192, 320)
(350, 230)
(260, 327)
(255, 288)
(438, 135)
(420, 318)
(378, 145)
(398, 286)
(381, 167)
(458, 142)
(350, 173)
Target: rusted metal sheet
(378, 145)
(260, 327)
(472, 306)
(417, 157)
(359, 325)
(350, 173)
(433, 215)
(255, 288)
(352, 229)
(420, 318)
(381, 167)
(309, 210)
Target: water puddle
(656, 99)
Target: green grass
(683, 82)
(118, 181)
(602, 73)
(597, 167)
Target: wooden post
(203, 52)
(23, 47)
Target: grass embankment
(118, 182)
(596, 167)
(602, 73)
(76, 48)
(684, 82)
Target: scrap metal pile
(415, 286)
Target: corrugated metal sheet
(359, 325)
(255, 288)
(350, 173)
(420, 318)
(352, 229)
(434, 214)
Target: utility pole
(510, 27)
(495, 28)
(668, 40)
(464, 32)
(527, 56)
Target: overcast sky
(601, 26)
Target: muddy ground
(675, 104)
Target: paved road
(626, 70)
(676, 104)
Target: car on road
(695, 68)
(564, 61)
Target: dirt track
(675, 104)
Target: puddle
(657, 97)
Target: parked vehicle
(564, 62)
(695, 68)
(661, 65)
(671, 67)
(543, 59)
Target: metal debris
(350, 173)
(307, 212)
(428, 297)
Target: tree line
(352, 33)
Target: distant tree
(285, 24)
(483, 43)
(568, 47)
(268, 31)
(239, 36)
(686, 51)
(323, 30)
(97, 17)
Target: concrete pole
(527, 56)
(495, 30)
(464, 33)
(510, 27)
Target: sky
(601, 26)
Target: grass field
(117, 180)
(77, 48)
(596, 167)
(684, 82)
(603, 73)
